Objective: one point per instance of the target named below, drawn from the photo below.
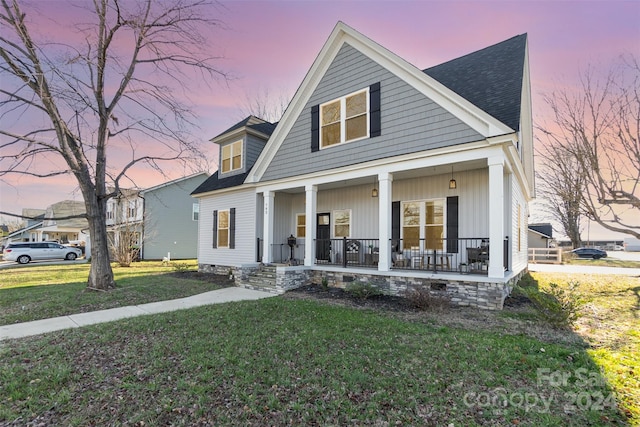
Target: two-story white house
(159, 221)
(382, 172)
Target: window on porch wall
(428, 217)
(342, 223)
(301, 223)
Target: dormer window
(232, 157)
(345, 119)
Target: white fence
(545, 255)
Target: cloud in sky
(272, 44)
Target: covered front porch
(443, 214)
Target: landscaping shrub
(363, 290)
(559, 306)
(181, 267)
(422, 299)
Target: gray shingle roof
(214, 183)
(251, 122)
(490, 78)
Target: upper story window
(132, 211)
(345, 119)
(232, 157)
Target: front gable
(409, 121)
(344, 44)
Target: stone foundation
(240, 274)
(463, 291)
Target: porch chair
(477, 257)
(399, 260)
(353, 252)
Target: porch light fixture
(374, 192)
(452, 182)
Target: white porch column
(496, 216)
(310, 208)
(267, 241)
(385, 180)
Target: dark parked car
(589, 253)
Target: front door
(323, 237)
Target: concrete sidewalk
(20, 330)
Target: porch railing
(281, 252)
(461, 255)
(348, 252)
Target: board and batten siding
(473, 204)
(244, 201)
(410, 121)
(169, 226)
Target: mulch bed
(339, 295)
(220, 279)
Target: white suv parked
(23, 252)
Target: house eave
(429, 158)
(227, 190)
(238, 133)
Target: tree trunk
(100, 274)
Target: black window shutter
(315, 128)
(395, 226)
(452, 224)
(374, 110)
(232, 228)
(215, 229)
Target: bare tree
(560, 187)
(111, 103)
(598, 128)
(264, 104)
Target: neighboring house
(383, 173)
(540, 235)
(164, 218)
(60, 225)
(30, 232)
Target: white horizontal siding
(520, 257)
(244, 201)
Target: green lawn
(282, 362)
(611, 327)
(40, 292)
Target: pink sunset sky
(270, 45)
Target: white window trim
(298, 222)
(230, 145)
(333, 223)
(343, 112)
(195, 209)
(228, 211)
(423, 216)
